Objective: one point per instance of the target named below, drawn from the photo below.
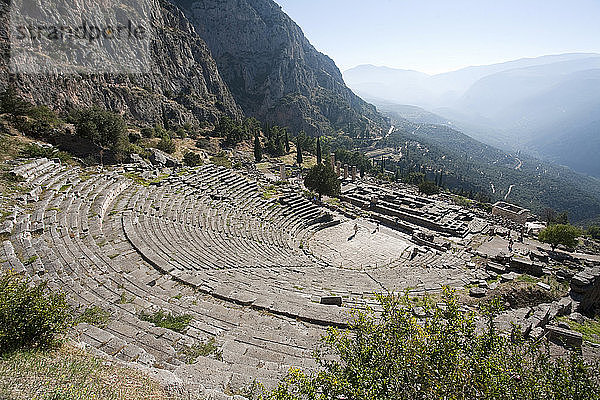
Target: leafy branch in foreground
(30, 316)
(392, 355)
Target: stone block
(565, 306)
(477, 292)
(565, 337)
(331, 301)
(536, 333)
(543, 286)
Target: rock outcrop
(273, 71)
(180, 84)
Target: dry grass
(70, 373)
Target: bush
(166, 144)
(221, 160)
(94, 315)
(594, 231)
(415, 178)
(560, 234)
(33, 150)
(192, 159)
(428, 188)
(40, 122)
(147, 132)
(203, 143)
(11, 103)
(103, 128)
(167, 320)
(393, 356)
(30, 316)
(322, 179)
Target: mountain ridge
(274, 72)
(182, 86)
(518, 105)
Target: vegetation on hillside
(30, 315)
(482, 172)
(68, 373)
(393, 356)
(593, 232)
(560, 234)
(322, 179)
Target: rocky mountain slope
(181, 84)
(274, 72)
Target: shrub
(428, 187)
(192, 159)
(164, 319)
(221, 160)
(166, 144)
(103, 128)
(594, 231)
(560, 234)
(11, 103)
(30, 316)
(322, 179)
(41, 122)
(147, 132)
(33, 150)
(203, 143)
(415, 178)
(94, 315)
(205, 349)
(393, 356)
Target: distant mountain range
(548, 106)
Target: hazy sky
(440, 35)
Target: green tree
(307, 142)
(594, 231)
(257, 148)
(166, 144)
(428, 187)
(299, 153)
(41, 122)
(231, 130)
(322, 179)
(319, 156)
(415, 178)
(11, 103)
(390, 355)
(30, 315)
(287, 142)
(552, 217)
(252, 126)
(192, 159)
(275, 140)
(103, 128)
(560, 234)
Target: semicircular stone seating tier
(216, 219)
(206, 244)
(81, 249)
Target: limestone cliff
(180, 84)
(274, 72)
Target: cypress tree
(257, 148)
(298, 152)
(319, 158)
(287, 142)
